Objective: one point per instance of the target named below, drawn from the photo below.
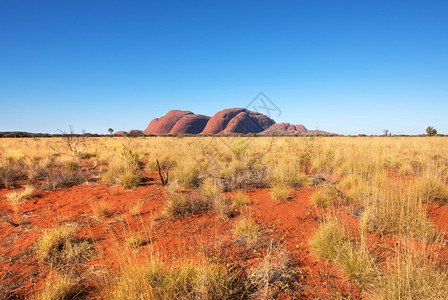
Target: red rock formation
(192, 124)
(164, 124)
(120, 133)
(220, 120)
(237, 120)
(285, 129)
(228, 121)
(135, 132)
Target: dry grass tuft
(274, 274)
(328, 194)
(391, 209)
(329, 239)
(240, 199)
(64, 288)
(179, 205)
(59, 247)
(123, 170)
(136, 239)
(279, 192)
(247, 232)
(101, 208)
(358, 264)
(430, 189)
(135, 208)
(331, 242)
(58, 177)
(413, 276)
(17, 198)
(154, 280)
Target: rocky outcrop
(166, 123)
(288, 129)
(225, 122)
(190, 124)
(135, 132)
(237, 120)
(120, 133)
(285, 129)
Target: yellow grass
(391, 179)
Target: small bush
(8, 173)
(240, 147)
(36, 168)
(72, 166)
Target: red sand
(291, 223)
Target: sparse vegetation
(378, 198)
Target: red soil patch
(199, 237)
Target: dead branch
(164, 181)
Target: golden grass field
(239, 218)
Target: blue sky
(343, 66)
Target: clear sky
(343, 66)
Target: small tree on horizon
(431, 131)
(111, 131)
